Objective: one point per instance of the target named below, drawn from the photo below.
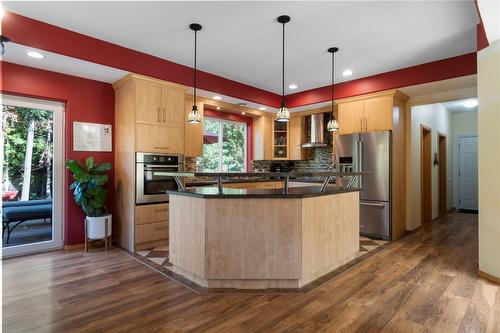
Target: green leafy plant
(88, 187)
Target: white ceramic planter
(96, 227)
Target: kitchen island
(259, 239)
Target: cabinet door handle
(158, 147)
(361, 120)
(158, 114)
(164, 115)
(366, 124)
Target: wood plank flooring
(425, 282)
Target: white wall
(438, 119)
(464, 123)
(488, 77)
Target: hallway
(427, 281)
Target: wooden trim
(443, 173)
(132, 76)
(425, 180)
(489, 277)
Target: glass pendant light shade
(194, 116)
(333, 125)
(283, 114)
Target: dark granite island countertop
(307, 191)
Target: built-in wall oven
(150, 187)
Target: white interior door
(54, 112)
(467, 173)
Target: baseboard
(489, 277)
(74, 246)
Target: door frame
(425, 206)
(58, 109)
(442, 142)
(457, 164)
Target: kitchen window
(224, 146)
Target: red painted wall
(207, 112)
(86, 101)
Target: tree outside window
(224, 146)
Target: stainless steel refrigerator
(370, 152)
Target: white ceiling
(458, 106)
(242, 41)
(16, 53)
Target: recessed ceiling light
(292, 86)
(35, 54)
(218, 108)
(243, 113)
(347, 72)
(262, 108)
(470, 103)
(217, 98)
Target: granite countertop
(206, 182)
(231, 193)
(247, 175)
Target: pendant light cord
(283, 70)
(333, 71)
(195, 43)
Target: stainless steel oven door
(150, 188)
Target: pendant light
(283, 114)
(194, 116)
(3, 39)
(333, 125)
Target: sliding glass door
(32, 175)
(224, 146)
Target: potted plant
(90, 194)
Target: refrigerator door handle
(372, 204)
(360, 162)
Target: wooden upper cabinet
(148, 102)
(159, 104)
(193, 133)
(378, 115)
(172, 109)
(297, 137)
(350, 117)
(365, 114)
(159, 139)
(155, 109)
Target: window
(224, 146)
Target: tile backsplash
(320, 159)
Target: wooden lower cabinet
(151, 226)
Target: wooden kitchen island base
(261, 242)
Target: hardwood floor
(425, 282)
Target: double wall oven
(150, 187)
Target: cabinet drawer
(151, 232)
(151, 213)
(159, 139)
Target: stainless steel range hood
(317, 132)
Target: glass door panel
(233, 147)
(32, 175)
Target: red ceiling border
(429, 72)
